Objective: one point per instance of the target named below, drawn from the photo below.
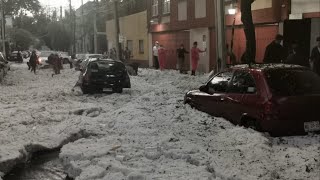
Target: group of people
(56, 62)
(125, 54)
(33, 62)
(276, 53)
(159, 56)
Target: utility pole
(117, 28)
(95, 27)
(72, 49)
(60, 13)
(220, 35)
(82, 29)
(3, 29)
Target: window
(242, 83)
(166, 7)
(201, 9)
(292, 82)
(141, 47)
(182, 10)
(155, 11)
(130, 45)
(219, 83)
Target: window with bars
(166, 7)
(155, 8)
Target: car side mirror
(204, 88)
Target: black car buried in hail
(100, 74)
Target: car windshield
(292, 82)
(95, 56)
(103, 65)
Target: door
(241, 90)
(217, 88)
(297, 31)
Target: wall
(171, 42)
(264, 36)
(132, 27)
(305, 6)
(261, 4)
(315, 31)
(197, 35)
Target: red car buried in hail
(276, 98)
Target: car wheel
(117, 89)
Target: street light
(232, 9)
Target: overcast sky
(63, 3)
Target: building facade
(133, 30)
(175, 22)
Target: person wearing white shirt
(155, 55)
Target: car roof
(104, 59)
(265, 67)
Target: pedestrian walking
(55, 64)
(33, 61)
(127, 54)
(19, 57)
(155, 55)
(162, 57)
(315, 57)
(275, 52)
(181, 58)
(195, 57)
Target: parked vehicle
(277, 98)
(65, 57)
(100, 74)
(14, 57)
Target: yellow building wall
(261, 4)
(134, 28)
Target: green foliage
(22, 39)
(16, 6)
(59, 36)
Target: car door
(241, 92)
(217, 87)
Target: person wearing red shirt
(195, 51)
(162, 57)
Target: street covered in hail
(144, 133)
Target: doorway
(298, 31)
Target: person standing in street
(275, 52)
(127, 54)
(181, 58)
(155, 55)
(56, 64)
(195, 51)
(315, 57)
(162, 57)
(33, 61)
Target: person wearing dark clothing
(315, 57)
(56, 64)
(297, 58)
(33, 61)
(19, 57)
(275, 52)
(181, 58)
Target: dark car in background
(14, 57)
(276, 98)
(100, 74)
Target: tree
(16, 6)
(59, 37)
(22, 39)
(249, 30)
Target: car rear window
(292, 82)
(106, 65)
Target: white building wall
(201, 35)
(304, 6)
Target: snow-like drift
(145, 133)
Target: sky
(63, 3)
